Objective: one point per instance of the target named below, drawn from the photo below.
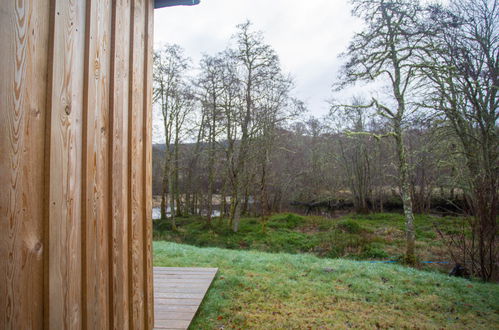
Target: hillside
(257, 290)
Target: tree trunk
(238, 190)
(263, 196)
(223, 202)
(211, 167)
(235, 205)
(176, 165)
(164, 202)
(172, 200)
(244, 209)
(485, 201)
(406, 195)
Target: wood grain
(118, 172)
(75, 164)
(176, 304)
(64, 149)
(23, 69)
(168, 308)
(189, 290)
(96, 164)
(136, 176)
(187, 316)
(147, 166)
(172, 324)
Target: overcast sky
(308, 36)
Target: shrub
(288, 221)
(291, 242)
(373, 251)
(349, 226)
(161, 225)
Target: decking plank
(184, 269)
(189, 276)
(196, 285)
(175, 315)
(180, 271)
(176, 295)
(170, 308)
(178, 292)
(182, 289)
(173, 301)
(176, 324)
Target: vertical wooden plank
(23, 68)
(118, 172)
(147, 148)
(96, 164)
(76, 128)
(136, 177)
(64, 147)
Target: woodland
(418, 142)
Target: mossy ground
(258, 290)
(360, 237)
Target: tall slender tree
(210, 83)
(257, 64)
(461, 67)
(174, 98)
(383, 51)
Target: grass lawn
(258, 290)
(360, 237)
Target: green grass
(257, 290)
(359, 237)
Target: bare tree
(462, 67)
(172, 94)
(384, 52)
(211, 86)
(257, 64)
(355, 156)
(276, 108)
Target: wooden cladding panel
(120, 45)
(136, 142)
(23, 86)
(147, 159)
(63, 152)
(75, 164)
(95, 164)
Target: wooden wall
(75, 164)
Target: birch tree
(354, 153)
(276, 108)
(462, 69)
(383, 52)
(211, 85)
(257, 64)
(175, 100)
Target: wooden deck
(178, 292)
